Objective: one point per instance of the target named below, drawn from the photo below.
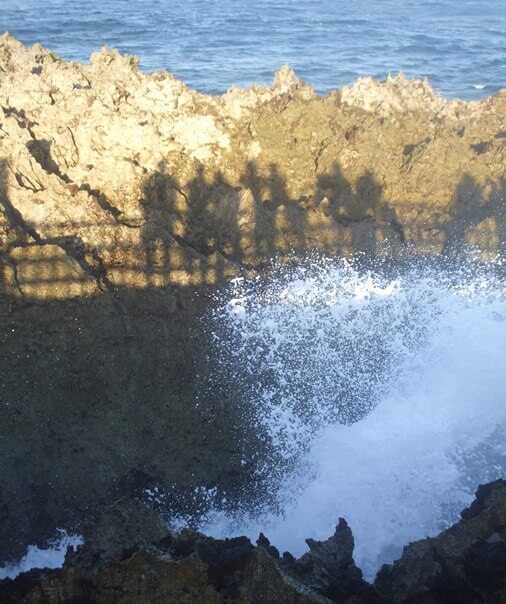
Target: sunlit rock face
(115, 178)
(127, 198)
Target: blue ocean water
(213, 44)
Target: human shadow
(69, 436)
(472, 208)
(158, 204)
(208, 227)
(371, 223)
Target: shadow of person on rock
(212, 219)
(360, 209)
(498, 211)
(469, 210)
(159, 209)
(291, 224)
(261, 229)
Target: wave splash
(51, 556)
(383, 397)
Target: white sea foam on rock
(37, 557)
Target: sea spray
(383, 395)
(51, 556)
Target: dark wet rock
(478, 505)
(116, 530)
(131, 557)
(262, 541)
(328, 567)
(466, 563)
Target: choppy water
(213, 44)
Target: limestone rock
(118, 528)
(328, 566)
(127, 197)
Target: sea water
(214, 44)
(51, 556)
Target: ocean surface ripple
(212, 45)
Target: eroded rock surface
(121, 562)
(112, 177)
(466, 563)
(125, 197)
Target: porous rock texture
(465, 564)
(112, 177)
(126, 198)
(129, 556)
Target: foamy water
(51, 556)
(384, 396)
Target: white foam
(35, 557)
(388, 394)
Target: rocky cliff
(126, 197)
(129, 556)
(111, 177)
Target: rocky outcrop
(112, 177)
(126, 197)
(465, 564)
(128, 556)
